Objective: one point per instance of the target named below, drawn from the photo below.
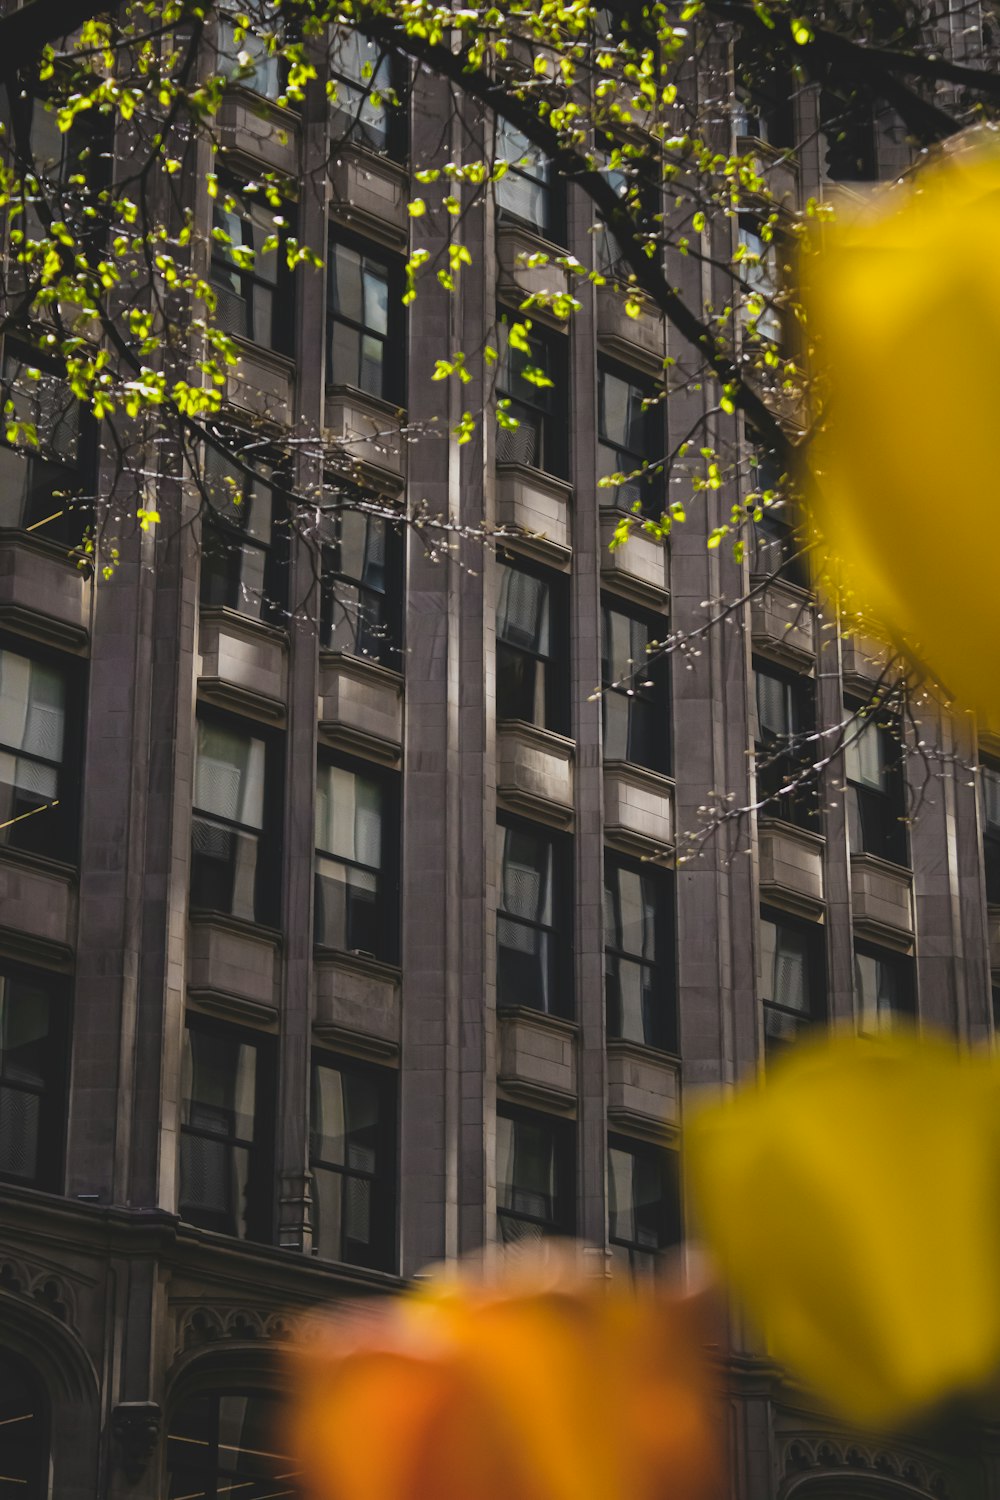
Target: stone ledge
(233, 1007)
(545, 791)
(242, 700)
(629, 837)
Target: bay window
(884, 988)
(989, 796)
(539, 438)
(243, 556)
(41, 483)
(363, 336)
(248, 60)
(362, 576)
(876, 789)
(364, 112)
(628, 440)
(782, 747)
(526, 193)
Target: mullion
(226, 824)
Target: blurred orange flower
(903, 300)
(851, 1200)
(541, 1385)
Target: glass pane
(349, 815)
(345, 1118)
(774, 706)
(362, 72)
(526, 1168)
(989, 781)
(24, 1032)
(523, 965)
(249, 57)
(219, 1076)
(520, 686)
(526, 876)
(864, 754)
(229, 775)
(523, 610)
(346, 908)
(346, 285)
(786, 977)
(345, 355)
(327, 1212)
(20, 1120)
(32, 707)
(633, 1006)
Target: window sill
(284, 363)
(242, 925)
(361, 963)
(228, 615)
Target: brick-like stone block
(638, 807)
(643, 1088)
(535, 770)
(242, 653)
(367, 428)
(251, 124)
(791, 862)
(360, 700)
(882, 894)
(263, 384)
(37, 900)
(535, 503)
(369, 192)
(637, 569)
(358, 997)
(781, 620)
(537, 1057)
(229, 959)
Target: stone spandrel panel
(245, 660)
(782, 622)
(368, 430)
(358, 1004)
(233, 968)
(791, 864)
(42, 593)
(262, 385)
(360, 705)
(638, 568)
(639, 341)
(370, 194)
(643, 1090)
(539, 505)
(882, 898)
(516, 247)
(638, 808)
(537, 1058)
(535, 771)
(256, 127)
(38, 904)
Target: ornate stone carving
(136, 1427)
(823, 1453)
(207, 1325)
(40, 1285)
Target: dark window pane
(218, 1110)
(352, 1153)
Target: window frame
(559, 932)
(989, 767)
(388, 873)
(260, 1148)
(384, 1179)
(816, 973)
(211, 1471)
(650, 485)
(54, 1091)
(267, 874)
(886, 806)
(547, 407)
(236, 540)
(772, 763)
(672, 1217)
(387, 648)
(657, 698)
(563, 1147)
(556, 681)
(221, 265)
(553, 225)
(356, 133)
(75, 508)
(661, 1030)
(902, 965)
(55, 834)
(227, 20)
(395, 337)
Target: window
(885, 991)
(362, 586)
(364, 75)
(525, 192)
(364, 349)
(530, 946)
(792, 979)
(757, 269)
(638, 187)
(231, 824)
(243, 554)
(41, 486)
(635, 703)
(763, 96)
(534, 1177)
(644, 1212)
(32, 1080)
(353, 1163)
(531, 652)
(876, 793)
(539, 438)
(847, 122)
(36, 791)
(989, 792)
(627, 439)
(24, 1422)
(224, 1444)
(783, 751)
(638, 955)
(775, 548)
(356, 833)
(248, 61)
(252, 284)
(225, 1171)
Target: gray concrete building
(343, 952)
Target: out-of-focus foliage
(904, 304)
(851, 1202)
(541, 1385)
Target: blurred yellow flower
(541, 1386)
(904, 302)
(852, 1201)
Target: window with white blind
(225, 1098)
(230, 819)
(644, 1212)
(526, 193)
(791, 979)
(884, 988)
(248, 61)
(876, 789)
(531, 920)
(534, 1177)
(356, 836)
(33, 1026)
(35, 791)
(530, 676)
(352, 1157)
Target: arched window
(24, 1432)
(226, 1443)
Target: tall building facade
(353, 942)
